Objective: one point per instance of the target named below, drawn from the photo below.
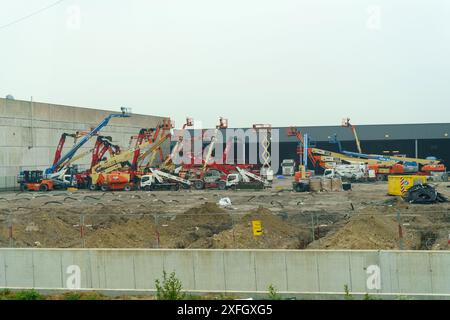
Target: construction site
(123, 185)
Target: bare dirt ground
(364, 218)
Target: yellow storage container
(398, 185)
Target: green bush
(348, 295)
(169, 288)
(273, 295)
(28, 295)
(72, 296)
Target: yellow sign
(257, 227)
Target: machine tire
(127, 187)
(43, 188)
(222, 185)
(300, 187)
(92, 187)
(104, 187)
(186, 186)
(175, 187)
(380, 177)
(199, 185)
(148, 188)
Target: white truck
(244, 179)
(288, 167)
(157, 180)
(349, 172)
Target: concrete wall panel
(211, 267)
(302, 273)
(291, 271)
(239, 270)
(270, 268)
(149, 267)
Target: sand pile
(276, 233)
(367, 232)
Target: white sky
(287, 62)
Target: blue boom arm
(85, 139)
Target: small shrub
(72, 296)
(5, 294)
(348, 295)
(273, 295)
(92, 296)
(28, 295)
(170, 288)
(369, 297)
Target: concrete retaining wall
(290, 271)
(30, 132)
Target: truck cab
(288, 167)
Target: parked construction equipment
(157, 179)
(346, 123)
(100, 174)
(288, 167)
(54, 176)
(244, 179)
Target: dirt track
(364, 218)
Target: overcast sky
(286, 62)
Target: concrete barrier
(309, 272)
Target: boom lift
(54, 168)
(158, 179)
(169, 164)
(346, 123)
(107, 175)
(159, 131)
(54, 176)
(245, 180)
(223, 124)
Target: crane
(346, 123)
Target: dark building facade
(411, 140)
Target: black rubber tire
(104, 187)
(43, 188)
(92, 187)
(148, 188)
(186, 186)
(222, 185)
(127, 187)
(380, 177)
(422, 194)
(175, 187)
(300, 187)
(199, 185)
(346, 186)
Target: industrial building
(411, 140)
(30, 131)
